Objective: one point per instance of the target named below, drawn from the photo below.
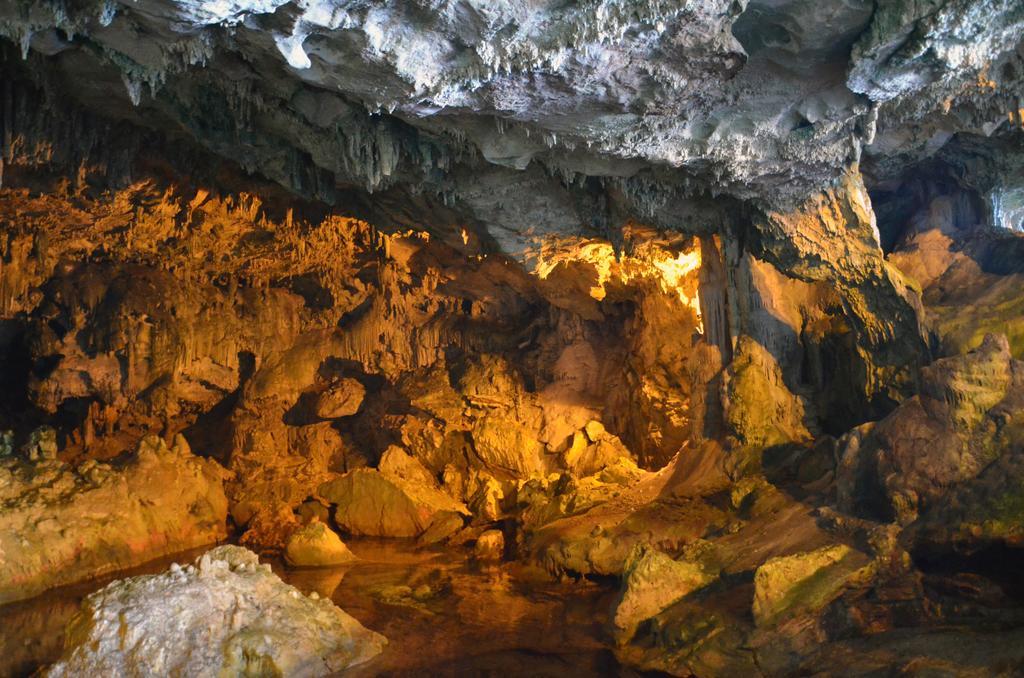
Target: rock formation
(63, 524)
(717, 304)
(226, 614)
(316, 545)
(652, 582)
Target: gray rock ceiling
(545, 115)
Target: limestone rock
(603, 451)
(595, 430)
(962, 421)
(832, 237)
(444, 525)
(316, 545)
(41, 445)
(396, 463)
(793, 131)
(278, 466)
(60, 524)
(486, 501)
(368, 502)
(490, 546)
(313, 510)
(341, 399)
(759, 407)
(507, 446)
(591, 527)
(224, 615)
(651, 582)
(802, 582)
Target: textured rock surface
(315, 545)
(341, 399)
(223, 615)
(709, 282)
(478, 102)
(651, 582)
(440, 340)
(62, 524)
(963, 420)
(372, 503)
(799, 583)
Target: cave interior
(618, 337)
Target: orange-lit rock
(62, 524)
(374, 503)
(756, 417)
(652, 582)
(490, 546)
(316, 545)
(341, 399)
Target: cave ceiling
(599, 111)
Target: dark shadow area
(210, 434)
(17, 412)
(998, 562)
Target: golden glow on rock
(675, 272)
(597, 253)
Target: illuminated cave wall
(720, 305)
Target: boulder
(604, 450)
(595, 430)
(486, 501)
(371, 503)
(60, 524)
(396, 463)
(341, 399)
(505, 445)
(803, 582)
(226, 614)
(984, 512)
(651, 582)
(444, 525)
(937, 443)
(490, 546)
(316, 545)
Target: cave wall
(206, 238)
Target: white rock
(226, 618)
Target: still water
(442, 613)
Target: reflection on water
(441, 613)
(32, 631)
